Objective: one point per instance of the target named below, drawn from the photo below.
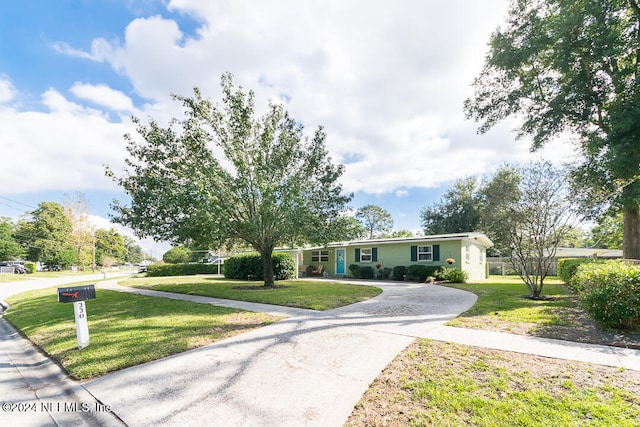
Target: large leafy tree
(607, 233)
(134, 253)
(47, 235)
(9, 247)
(572, 67)
(177, 255)
(374, 219)
(220, 176)
(110, 247)
(457, 212)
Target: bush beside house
(249, 267)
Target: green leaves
(571, 67)
(222, 175)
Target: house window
(365, 255)
(465, 254)
(425, 253)
(320, 256)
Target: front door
(340, 262)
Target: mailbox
(76, 293)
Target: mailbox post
(78, 295)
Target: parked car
(142, 269)
(17, 267)
(46, 267)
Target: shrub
(610, 293)
(386, 273)
(30, 266)
(417, 273)
(567, 267)
(399, 272)
(355, 270)
(177, 255)
(250, 267)
(284, 266)
(158, 270)
(420, 273)
(366, 272)
(455, 275)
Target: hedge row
(610, 292)
(367, 272)
(250, 267)
(412, 273)
(158, 270)
(567, 267)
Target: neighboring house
(467, 250)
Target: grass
(125, 330)
(503, 300)
(430, 383)
(314, 295)
(10, 277)
(445, 384)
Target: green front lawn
(503, 300)
(314, 295)
(125, 329)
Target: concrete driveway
(307, 370)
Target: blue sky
(387, 82)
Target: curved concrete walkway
(307, 370)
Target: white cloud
(103, 95)
(386, 81)
(62, 148)
(402, 193)
(7, 90)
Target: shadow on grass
(125, 329)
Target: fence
(5, 270)
(504, 267)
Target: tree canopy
(176, 255)
(374, 219)
(9, 246)
(571, 67)
(220, 176)
(47, 235)
(457, 212)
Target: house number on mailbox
(78, 295)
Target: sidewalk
(307, 370)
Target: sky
(386, 80)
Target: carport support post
(82, 328)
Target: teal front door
(340, 262)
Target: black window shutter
(414, 253)
(436, 252)
(374, 254)
(357, 255)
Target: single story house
(466, 251)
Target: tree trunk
(267, 267)
(631, 232)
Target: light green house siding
(468, 251)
